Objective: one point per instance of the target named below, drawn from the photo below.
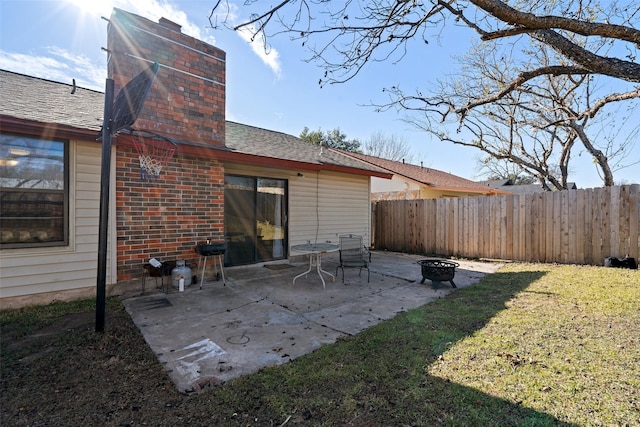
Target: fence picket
(633, 235)
(614, 208)
(547, 236)
(522, 230)
(580, 229)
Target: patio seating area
(261, 318)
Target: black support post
(105, 177)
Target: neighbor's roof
(28, 102)
(428, 176)
(508, 186)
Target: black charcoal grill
(438, 270)
(210, 249)
(207, 249)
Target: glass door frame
(250, 230)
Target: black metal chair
(353, 254)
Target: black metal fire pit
(438, 270)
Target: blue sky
(61, 40)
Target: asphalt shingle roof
(267, 143)
(43, 101)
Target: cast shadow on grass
(381, 376)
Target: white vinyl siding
(32, 271)
(322, 205)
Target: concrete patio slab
(260, 318)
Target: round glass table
(315, 251)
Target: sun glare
(93, 7)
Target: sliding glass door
(255, 216)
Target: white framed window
(34, 191)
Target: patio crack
(304, 316)
(247, 304)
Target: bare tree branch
(614, 97)
(596, 64)
(529, 21)
(531, 99)
(518, 81)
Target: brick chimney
(187, 99)
(164, 219)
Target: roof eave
(356, 171)
(46, 130)
(224, 154)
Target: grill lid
(209, 249)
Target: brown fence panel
(573, 226)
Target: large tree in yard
(579, 56)
(537, 126)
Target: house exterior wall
(399, 188)
(394, 189)
(186, 102)
(323, 204)
(41, 275)
(344, 206)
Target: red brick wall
(165, 219)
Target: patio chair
(353, 254)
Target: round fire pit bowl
(438, 270)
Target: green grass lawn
(531, 345)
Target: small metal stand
(204, 266)
(155, 272)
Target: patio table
(315, 251)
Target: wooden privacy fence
(571, 226)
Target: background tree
(331, 139)
(536, 125)
(492, 169)
(587, 38)
(388, 146)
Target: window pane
(271, 212)
(33, 189)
